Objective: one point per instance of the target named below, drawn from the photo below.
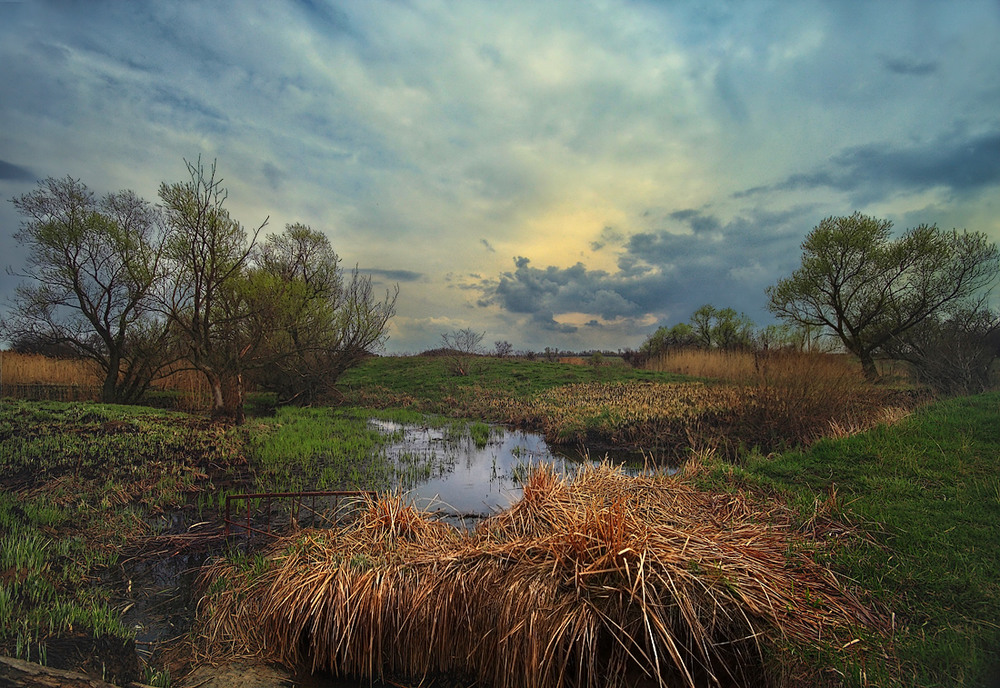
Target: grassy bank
(927, 491)
(428, 382)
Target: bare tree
(502, 349)
(208, 311)
(463, 345)
(953, 353)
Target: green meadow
(908, 511)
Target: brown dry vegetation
(672, 419)
(604, 580)
(746, 366)
(723, 365)
(35, 376)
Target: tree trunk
(215, 388)
(16, 672)
(868, 366)
(228, 402)
(109, 390)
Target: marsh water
(468, 476)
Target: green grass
(427, 381)
(338, 449)
(928, 491)
(44, 590)
(316, 449)
(79, 482)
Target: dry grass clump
(605, 580)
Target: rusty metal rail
(297, 502)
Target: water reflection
(449, 472)
(443, 471)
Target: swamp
(529, 524)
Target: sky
(566, 174)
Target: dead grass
(34, 376)
(605, 580)
(749, 366)
(737, 366)
(193, 393)
(788, 398)
(35, 369)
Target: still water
(460, 477)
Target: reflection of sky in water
(463, 478)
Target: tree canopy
(869, 289)
(92, 269)
(709, 328)
(134, 287)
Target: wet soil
(113, 659)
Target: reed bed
(670, 420)
(36, 369)
(190, 386)
(604, 579)
(716, 364)
(34, 376)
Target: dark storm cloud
(698, 222)
(665, 273)
(15, 173)
(877, 171)
(397, 275)
(910, 66)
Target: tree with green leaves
(207, 302)
(93, 266)
(732, 330)
(318, 324)
(721, 328)
(664, 339)
(869, 289)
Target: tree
(207, 302)
(721, 328)
(502, 349)
(701, 326)
(868, 289)
(952, 353)
(679, 336)
(732, 330)
(463, 346)
(92, 266)
(318, 325)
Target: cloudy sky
(562, 173)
